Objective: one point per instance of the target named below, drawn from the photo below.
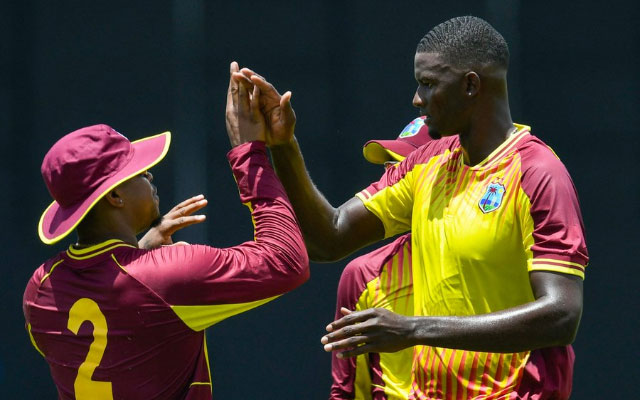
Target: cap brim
(57, 222)
(381, 151)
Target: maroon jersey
(118, 322)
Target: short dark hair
(465, 42)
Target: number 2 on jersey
(87, 310)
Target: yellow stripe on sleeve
(201, 317)
(580, 266)
(33, 341)
(556, 268)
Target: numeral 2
(85, 388)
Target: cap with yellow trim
(86, 164)
(414, 135)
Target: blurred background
(149, 66)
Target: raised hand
(279, 115)
(373, 330)
(245, 122)
(176, 219)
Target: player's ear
(114, 198)
(471, 84)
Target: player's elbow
(566, 323)
(297, 265)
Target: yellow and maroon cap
(86, 164)
(414, 135)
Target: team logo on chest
(492, 198)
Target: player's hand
(278, 113)
(179, 217)
(245, 122)
(373, 330)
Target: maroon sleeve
(558, 230)
(274, 263)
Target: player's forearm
(278, 239)
(316, 215)
(542, 323)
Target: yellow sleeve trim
(555, 268)
(201, 317)
(33, 341)
(559, 262)
(362, 197)
(200, 383)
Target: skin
(133, 206)
(473, 103)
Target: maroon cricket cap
(86, 164)
(414, 135)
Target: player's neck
(90, 236)
(486, 132)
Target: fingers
(187, 207)
(243, 97)
(350, 319)
(263, 84)
(348, 343)
(266, 89)
(185, 221)
(366, 348)
(187, 202)
(287, 115)
(249, 73)
(238, 77)
(233, 85)
(345, 311)
(255, 104)
(345, 333)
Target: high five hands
(256, 111)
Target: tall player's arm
(330, 233)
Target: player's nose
(417, 100)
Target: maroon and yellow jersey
(477, 232)
(379, 279)
(118, 322)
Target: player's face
(440, 95)
(142, 201)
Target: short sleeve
(554, 235)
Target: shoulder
(45, 269)
(541, 167)
(434, 148)
(38, 276)
(537, 157)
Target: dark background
(149, 66)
